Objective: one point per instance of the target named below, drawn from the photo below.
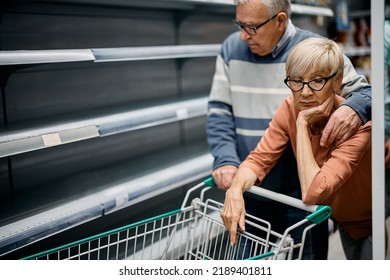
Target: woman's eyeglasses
(315, 84)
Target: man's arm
(356, 109)
(342, 124)
(221, 135)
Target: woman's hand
(320, 112)
(233, 213)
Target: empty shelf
(108, 54)
(155, 52)
(39, 226)
(12, 143)
(44, 56)
(357, 51)
(152, 116)
(295, 8)
(311, 10)
(35, 139)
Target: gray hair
(315, 54)
(273, 6)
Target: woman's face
(315, 88)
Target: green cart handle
(322, 213)
(210, 182)
(319, 213)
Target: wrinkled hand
(223, 176)
(320, 112)
(387, 154)
(343, 123)
(233, 213)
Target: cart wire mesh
(194, 232)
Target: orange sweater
(344, 181)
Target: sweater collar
(288, 34)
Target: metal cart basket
(194, 232)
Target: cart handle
(320, 213)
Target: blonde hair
(315, 54)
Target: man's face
(251, 15)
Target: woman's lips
(308, 104)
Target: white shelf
(191, 4)
(17, 142)
(37, 227)
(44, 56)
(311, 10)
(356, 51)
(108, 54)
(295, 8)
(155, 52)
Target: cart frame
(194, 231)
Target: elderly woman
(339, 175)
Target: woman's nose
(306, 91)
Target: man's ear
(282, 18)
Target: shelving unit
(12, 142)
(93, 126)
(355, 35)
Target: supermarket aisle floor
(336, 250)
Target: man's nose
(244, 35)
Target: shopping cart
(194, 232)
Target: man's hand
(343, 123)
(233, 213)
(223, 176)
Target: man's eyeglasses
(315, 85)
(251, 30)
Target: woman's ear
(338, 83)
